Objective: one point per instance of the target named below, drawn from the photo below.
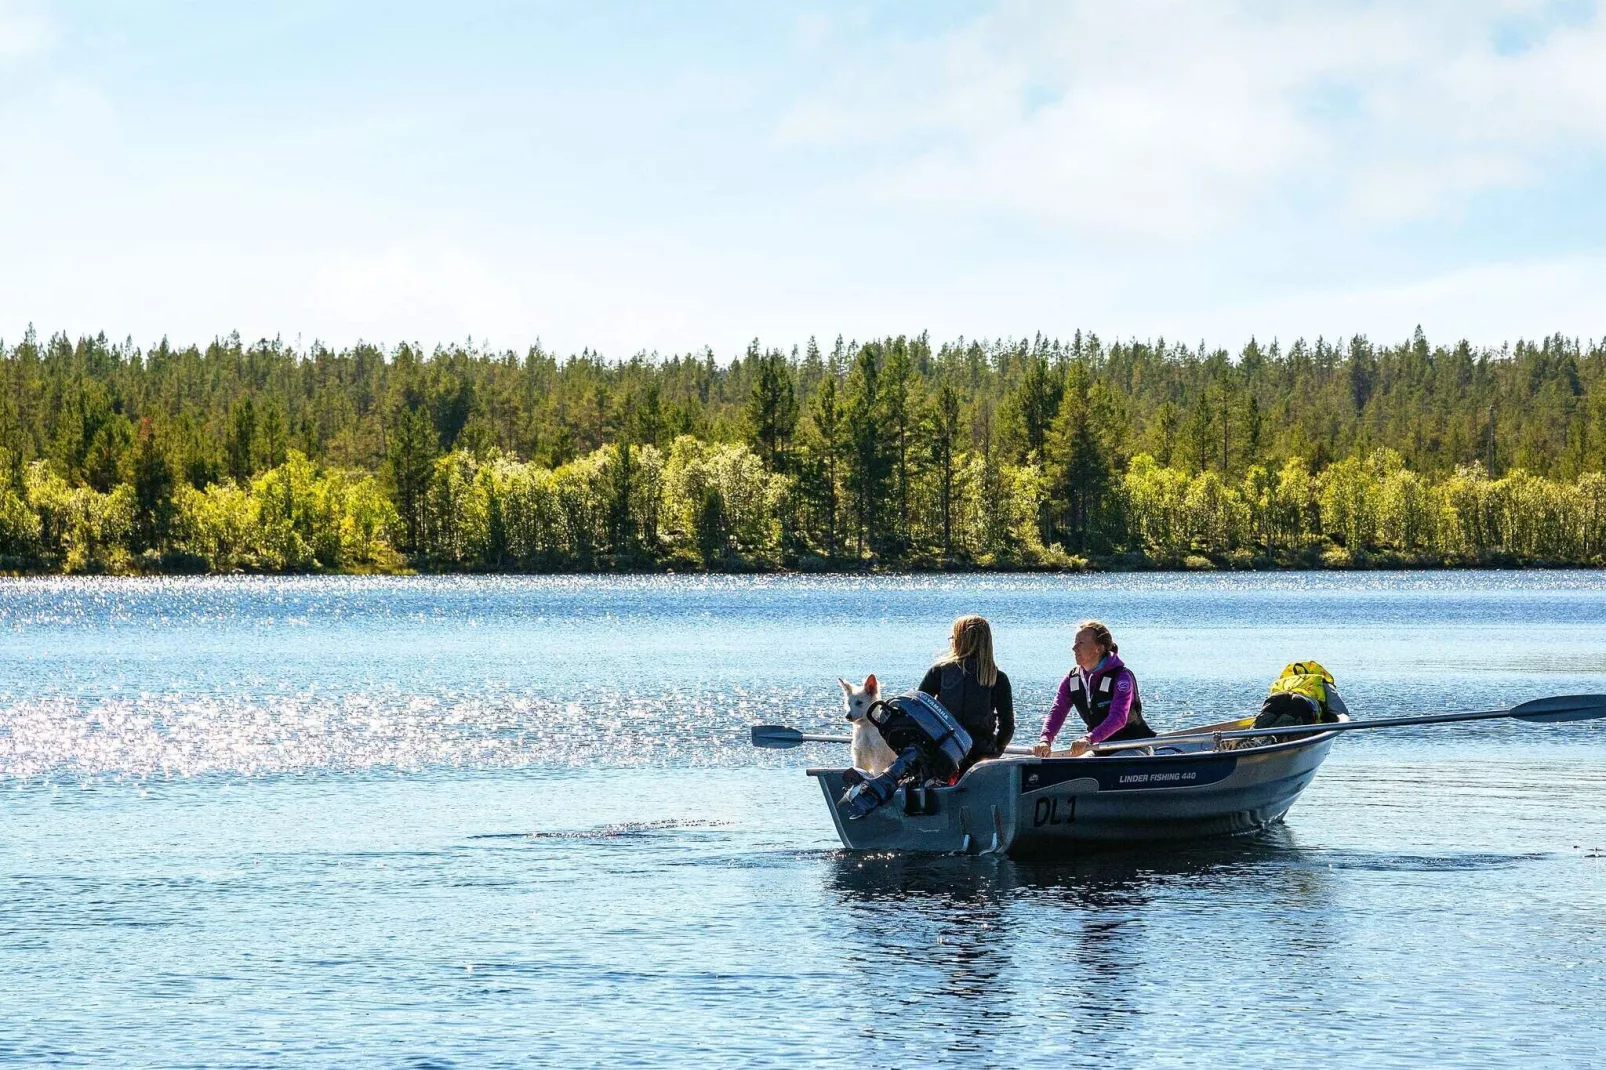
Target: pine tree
(273, 438)
(200, 459)
(944, 449)
(899, 423)
(1078, 468)
(153, 491)
(868, 454)
(1036, 401)
(621, 526)
(771, 407)
(822, 477)
(106, 461)
(1167, 421)
(239, 448)
(411, 461)
(713, 538)
(811, 371)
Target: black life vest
(971, 703)
(1095, 708)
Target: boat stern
(975, 816)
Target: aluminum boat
(1045, 807)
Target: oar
(779, 737)
(1552, 710)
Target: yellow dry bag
(1306, 678)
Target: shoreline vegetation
(894, 456)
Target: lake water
(493, 821)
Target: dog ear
(846, 687)
(870, 684)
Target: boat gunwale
(1133, 756)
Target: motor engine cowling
(917, 719)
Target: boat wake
(622, 830)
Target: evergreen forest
(896, 453)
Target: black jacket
(987, 713)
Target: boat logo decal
(1134, 779)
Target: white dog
(870, 752)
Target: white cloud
(1488, 304)
(410, 292)
(1136, 168)
(441, 290)
(23, 33)
(1181, 119)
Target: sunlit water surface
(479, 822)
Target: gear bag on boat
(1303, 694)
(1306, 680)
(1281, 709)
(929, 742)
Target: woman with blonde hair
(974, 689)
(1103, 692)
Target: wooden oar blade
(1558, 708)
(776, 737)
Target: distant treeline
(891, 453)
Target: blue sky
(666, 176)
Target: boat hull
(1035, 807)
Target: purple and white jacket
(1106, 698)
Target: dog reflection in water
(871, 754)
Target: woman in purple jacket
(1103, 692)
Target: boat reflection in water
(1074, 952)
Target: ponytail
(1101, 635)
(973, 638)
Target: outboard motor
(929, 742)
